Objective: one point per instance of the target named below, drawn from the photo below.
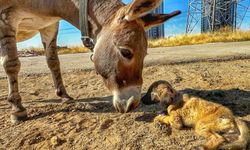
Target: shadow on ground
(237, 100)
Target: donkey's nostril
(130, 108)
(119, 107)
(132, 105)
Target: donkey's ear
(152, 20)
(139, 8)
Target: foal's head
(121, 48)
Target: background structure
(213, 15)
(157, 32)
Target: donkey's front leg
(11, 65)
(49, 37)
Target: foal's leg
(11, 64)
(207, 128)
(49, 37)
(173, 119)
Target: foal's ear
(139, 8)
(152, 20)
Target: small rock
(55, 141)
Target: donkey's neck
(99, 12)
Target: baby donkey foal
(211, 120)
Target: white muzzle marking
(122, 100)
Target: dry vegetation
(223, 35)
(75, 49)
(32, 51)
(220, 36)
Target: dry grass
(62, 50)
(221, 36)
(76, 49)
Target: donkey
(119, 32)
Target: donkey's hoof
(18, 117)
(67, 100)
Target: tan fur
(210, 120)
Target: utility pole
(211, 15)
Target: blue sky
(70, 36)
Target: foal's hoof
(67, 100)
(18, 117)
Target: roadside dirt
(92, 123)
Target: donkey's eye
(126, 53)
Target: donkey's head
(121, 48)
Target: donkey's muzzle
(124, 107)
(127, 99)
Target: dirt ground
(92, 123)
